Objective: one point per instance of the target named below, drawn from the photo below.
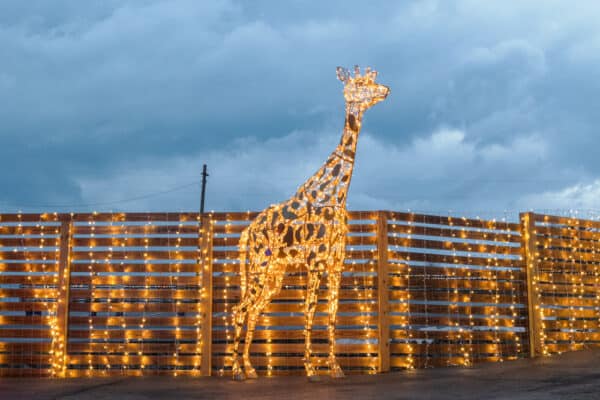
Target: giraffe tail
(243, 249)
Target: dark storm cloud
(494, 105)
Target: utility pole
(204, 175)
(205, 263)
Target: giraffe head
(362, 90)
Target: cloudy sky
(115, 105)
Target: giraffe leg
(272, 286)
(253, 315)
(239, 315)
(314, 278)
(333, 283)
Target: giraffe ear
(343, 74)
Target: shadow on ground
(569, 376)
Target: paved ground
(569, 376)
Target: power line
(130, 199)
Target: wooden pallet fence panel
(135, 295)
(456, 291)
(29, 250)
(568, 282)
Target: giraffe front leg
(333, 283)
(252, 317)
(312, 288)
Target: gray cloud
(493, 106)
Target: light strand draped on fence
(115, 293)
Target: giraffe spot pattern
(336, 169)
(287, 214)
(352, 122)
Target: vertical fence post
(206, 248)
(529, 248)
(382, 292)
(61, 319)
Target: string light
(514, 290)
(594, 315)
(576, 290)
(200, 292)
(568, 253)
(475, 259)
(51, 310)
(467, 351)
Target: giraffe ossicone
(308, 230)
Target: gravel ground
(568, 376)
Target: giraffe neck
(351, 130)
(329, 186)
(347, 146)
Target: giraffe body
(308, 229)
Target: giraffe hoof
(239, 376)
(251, 373)
(337, 373)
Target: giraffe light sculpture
(309, 228)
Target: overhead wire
(130, 199)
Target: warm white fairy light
(204, 322)
(514, 300)
(596, 319)
(575, 240)
(60, 321)
(452, 299)
(410, 362)
(108, 310)
(309, 228)
(92, 342)
(467, 351)
(200, 284)
(52, 289)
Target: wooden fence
(152, 293)
(565, 266)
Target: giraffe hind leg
(333, 283)
(240, 312)
(314, 278)
(248, 368)
(253, 315)
(271, 287)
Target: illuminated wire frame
(308, 229)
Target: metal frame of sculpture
(308, 229)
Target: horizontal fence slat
(452, 233)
